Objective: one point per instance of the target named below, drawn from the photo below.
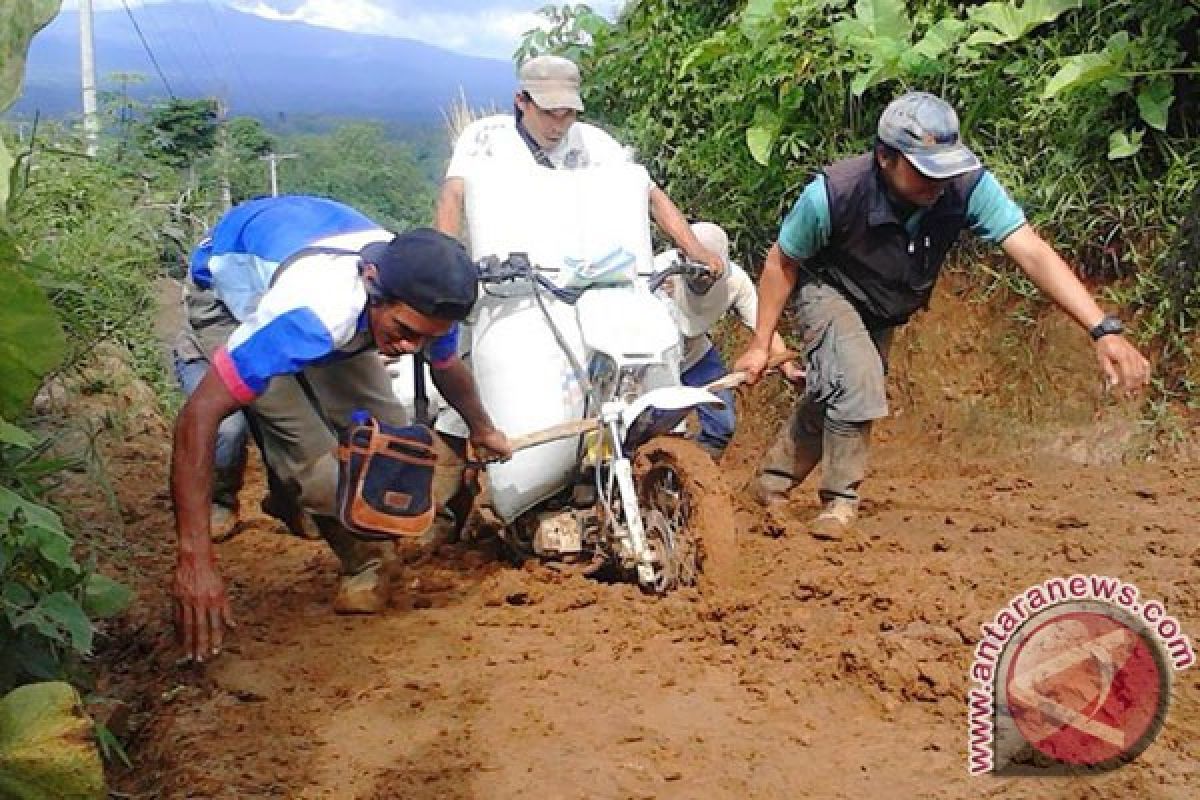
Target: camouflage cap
(925, 129)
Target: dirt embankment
(830, 670)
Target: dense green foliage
(47, 598)
(1086, 111)
(179, 132)
(358, 164)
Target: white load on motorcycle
(568, 222)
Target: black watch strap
(1108, 325)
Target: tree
(180, 132)
(248, 140)
(359, 165)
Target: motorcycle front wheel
(687, 512)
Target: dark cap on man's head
(924, 128)
(427, 270)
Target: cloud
(476, 27)
(489, 28)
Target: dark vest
(886, 274)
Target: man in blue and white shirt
(861, 251)
(311, 291)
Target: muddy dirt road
(832, 670)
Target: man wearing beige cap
(544, 129)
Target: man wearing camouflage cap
(860, 252)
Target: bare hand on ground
(1124, 367)
(202, 610)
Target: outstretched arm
(202, 608)
(668, 217)
(775, 286)
(456, 384)
(1122, 364)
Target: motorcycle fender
(660, 411)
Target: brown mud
(822, 669)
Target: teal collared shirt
(991, 213)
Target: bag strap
(535, 149)
(304, 252)
(421, 394)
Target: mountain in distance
(263, 68)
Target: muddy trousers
(301, 417)
(810, 438)
(845, 391)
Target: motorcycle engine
(558, 533)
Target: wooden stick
(736, 379)
(575, 427)
(563, 430)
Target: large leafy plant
(31, 341)
(47, 598)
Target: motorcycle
(612, 485)
(577, 359)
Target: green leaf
(876, 24)
(11, 434)
(887, 18)
(878, 73)
(761, 136)
(940, 38)
(1009, 22)
(20, 20)
(54, 548)
(7, 168)
(34, 515)
(705, 52)
(1154, 100)
(757, 16)
(18, 595)
(1081, 70)
(1122, 145)
(64, 612)
(103, 597)
(1118, 84)
(31, 339)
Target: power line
(252, 94)
(149, 52)
(154, 31)
(216, 75)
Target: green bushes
(48, 599)
(1085, 110)
(89, 234)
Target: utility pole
(273, 159)
(87, 58)
(223, 139)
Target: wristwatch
(1106, 326)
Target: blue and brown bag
(385, 479)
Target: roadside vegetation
(1086, 111)
(83, 243)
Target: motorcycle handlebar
(518, 266)
(688, 269)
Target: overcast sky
(478, 27)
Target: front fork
(633, 536)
